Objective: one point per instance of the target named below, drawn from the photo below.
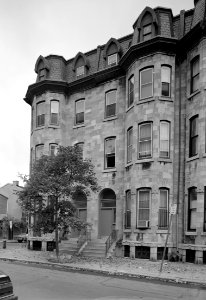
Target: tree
(57, 179)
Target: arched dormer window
(147, 25)
(80, 65)
(112, 52)
(42, 68)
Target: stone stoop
(95, 248)
(68, 246)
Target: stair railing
(111, 239)
(84, 237)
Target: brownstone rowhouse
(137, 107)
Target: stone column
(132, 251)
(153, 253)
(199, 257)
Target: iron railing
(111, 239)
(163, 220)
(127, 219)
(85, 235)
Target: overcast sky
(29, 28)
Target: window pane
(128, 200)
(80, 118)
(110, 146)
(143, 206)
(131, 91)
(39, 151)
(146, 91)
(53, 149)
(165, 74)
(112, 59)
(110, 97)
(147, 29)
(79, 106)
(146, 76)
(195, 67)
(55, 107)
(145, 142)
(163, 199)
(164, 139)
(80, 71)
(129, 144)
(40, 108)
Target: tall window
(129, 144)
(195, 69)
(39, 151)
(130, 90)
(193, 146)
(146, 83)
(128, 210)
(81, 147)
(53, 148)
(110, 109)
(145, 140)
(80, 71)
(163, 209)
(79, 112)
(143, 205)
(112, 60)
(110, 152)
(54, 117)
(147, 32)
(192, 206)
(164, 139)
(40, 114)
(166, 81)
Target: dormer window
(112, 60)
(147, 32)
(42, 68)
(80, 65)
(80, 71)
(146, 25)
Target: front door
(106, 222)
(82, 214)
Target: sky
(29, 28)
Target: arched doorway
(80, 202)
(107, 214)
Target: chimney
(16, 183)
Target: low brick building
(136, 105)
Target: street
(32, 283)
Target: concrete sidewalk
(125, 267)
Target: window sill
(110, 118)
(78, 126)
(138, 230)
(165, 160)
(39, 128)
(109, 170)
(162, 231)
(204, 155)
(190, 233)
(128, 164)
(169, 99)
(142, 101)
(53, 126)
(203, 233)
(127, 230)
(140, 161)
(192, 158)
(193, 94)
(129, 108)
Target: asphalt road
(36, 283)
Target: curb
(63, 267)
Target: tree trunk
(56, 228)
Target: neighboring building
(136, 105)
(8, 202)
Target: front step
(68, 246)
(95, 248)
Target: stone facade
(166, 59)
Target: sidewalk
(125, 267)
